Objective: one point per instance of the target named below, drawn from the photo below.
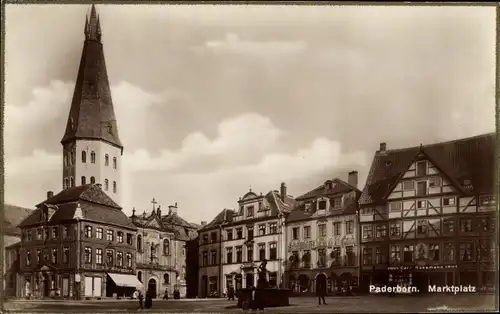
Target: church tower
(92, 149)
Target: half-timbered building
(428, 215)
(322, 241)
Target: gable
(153, 223)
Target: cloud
(234, 45)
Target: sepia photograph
(246, 157)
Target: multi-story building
(253, 234)
(77, 244)
(322, 237)
(92, 149)
(210, 255)
(162, 250)
(428, 215)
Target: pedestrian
(230, 293)
(321, 292)
(149, 299)
(141, 298)
(165, 296)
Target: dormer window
(421, 168)
(337, 202)
(308, 207)
(321, 205)
(250, 211)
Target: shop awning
(124, 280)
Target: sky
(214, 100)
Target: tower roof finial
(92, 26)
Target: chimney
(353, 179)
(99, 185)
(133, 212)
(50, 194)
(383, 147)
(203, 223)
(158, 211)
(172, 209)
(283, 191)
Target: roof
(85, 202)
(338, 188)
(182, 230)
(13, 216)
(92, 114)
(470, 158)
(224, 216)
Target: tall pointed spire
(92, 116)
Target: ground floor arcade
(307, 280)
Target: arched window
(166, 247)
(66, 183)
(71, 182)
(92, 180)
(92, 157)
(106, 184)
(115, 163)
(166, 279)
(139, 243)
(139, 276)
(106, 160)
(84, 180)
(114, 186)
(72, 160)
(84, 156)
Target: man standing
(321, 292)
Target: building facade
(77, 244)
(253, 234)
(428, 215)
(322, 237)
(92, 149)
(162, 250)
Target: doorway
(321, 283)
(249, 279)
(45, 285)
(152, 287)
(204, 285)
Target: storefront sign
(319, 243)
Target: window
(434, 252)
(421, 168)
(448, 225)
(335, 256)
(229, 234)
(448, 201)
(262, 230)
(262, 251)
(38, 257)
(84, 180)
(28, 235)
(205, 259)
(98, 233)
(129, 238)
(55, 232)
(422, 204)
(250, 253)
(487, 200)
(119, 259)
(295, 233)
(106, 160)
(421, 188)
(337, 202)
(106, 184)
(109, 235)
(28, 258)
(71, 182)
(166, 279)
(92, 180)
(66, 183)
(88, 255)
(119, 236)
(205, 239)
(239, 254)
(213, 257)
(465, 225)
(307, 207)
(114, 186)
(368, 232)
(250, 233)
(336, 228)
(273, 279)
(395, 207)
(46, 229)
(408, 185)
(434, 182)
(88, 231)
(139, 243)
(273, 251)
(54, 256)
(109, 257)
(349, 227)
(273, 228)
(367, 256)
(307, 232)
(395, 253)
(422, 226)
(166, 247)
(322, 230)
(349, 250)
(466, 251)
(408, 253)
(92, 157)
(381, 231)
(66, 255)
(229, 255)
(46, 256)
(115, 163)
(322, 205)
(65, 232)
(98, 256)
(129, 260)
(321, 257)
(84, 156)
(380, 257)
(250, 211)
